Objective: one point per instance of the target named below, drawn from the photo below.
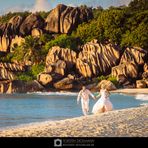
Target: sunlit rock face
(64, 19)
(97, 59)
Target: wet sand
(131, 122)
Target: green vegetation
(32, 73)
(31, 50)
(64, 41)
(36, 69)
(24, 76)
(100, 78)
(5, 18)
(126, 26)
(108, 77)
(113, 80)
(43, 14)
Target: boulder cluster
(62, 19)
(64, 67)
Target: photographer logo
(57, 143)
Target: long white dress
(103, 104)
(84, 95)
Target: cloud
(41, 5)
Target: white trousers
(85, 106)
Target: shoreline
(131, 91)
(129, 122)
(124, 90)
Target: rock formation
(66, 83)
(60, 60)
(145, 73)
(17, 40)
(8, 70)
(135, 55)
(141, 84)
(131, 60)
(19, 86)
(6, 75)
(64, 19)
(4, 43)
(59, 63)
(97, 59)
(128, 69)
(32, 21)
(12, 27)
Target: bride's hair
(103, 86)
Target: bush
(36, 69)
(5, 18)
(113, 80)
(100, 78)
(26, 76)
(64, 41)
(31, 74)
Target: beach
(132, 122)
(131, 91)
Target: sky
(46, 5)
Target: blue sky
(36, 5)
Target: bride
(103, 104)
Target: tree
(64, 41)
(137, 5)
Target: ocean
(20, 109)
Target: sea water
(18, 109)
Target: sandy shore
(131, 122)
(133, 91)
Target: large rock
(18, 86)
(145, 73)
(2, 28)
(13, 25)
(6, 75)
(123, 80)
(66, 83)
(107, 84)
(135, 55)
(128, 69)
(131, 61)
(44, 78)
(145, 67)
(4, 43)
(47, 79)
(16, 41)
(141, 84)
(97, 59)
(6, 87)
(60, 60)
(32, 21)
(36, 32)
(8, 70)
(64, 19)
(12, 67)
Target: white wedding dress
(103, 104)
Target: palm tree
(32, 50)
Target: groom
(84, 95)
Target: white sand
(131, 122)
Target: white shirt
(84, 94)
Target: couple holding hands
(102, 105)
